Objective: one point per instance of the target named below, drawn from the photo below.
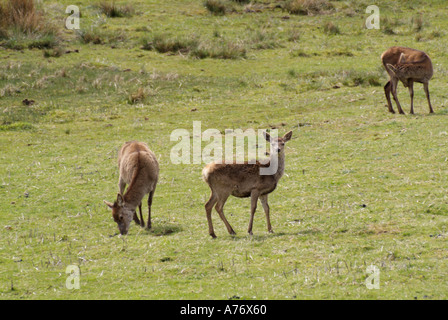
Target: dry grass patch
(216, 7)
(331, 29)
(112, 10)
(308, 7)
(23, 16)
(195, 47)
(22, 24)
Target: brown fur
(139, 170)
(243, 180)
(408, 66)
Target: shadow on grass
(423, 111)
(157, 230)
(262, 237)
(164, 230)
(440, 112)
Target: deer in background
(409, 66)
(242, 181)
(139, 169)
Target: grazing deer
(139, 169)
(408, 66)
(242, 181)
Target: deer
(242, 181)
(139, 169)
(409, 66)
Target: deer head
(394, 69)
(277, 144)
(121, 213)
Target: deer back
(407, 63)
(138, 165)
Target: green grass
(361, 187)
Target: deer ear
(109, 204)
(391, 68)
(120, 200)
(287, 136)
(267, 136)
(402, 58)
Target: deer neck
(278, 159)
(134, 193)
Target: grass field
(361, 187)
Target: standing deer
(139, 169)
(242, 181)
(408, 66)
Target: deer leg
(394, 83)
(137, 221)
(151, 195)
(142, 222)
(219, 207)
(426, 87)
(208, 209)
(411, 93)
(264, 202)
(387, 93)
(253, 206)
